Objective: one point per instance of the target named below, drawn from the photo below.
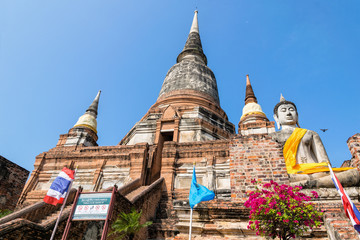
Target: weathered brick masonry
(98, 168)
(211, 158)
(254, 157)
(354, 146)
(12, 181)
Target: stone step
(55, 215)
(341, 225)
(130, 196)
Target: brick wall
(255, 157)
(354, 147)
(178, 159)
(98, 168)
(12, 181)
(245, 157)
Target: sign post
(92, 206)
(68, 223)
(108, 219)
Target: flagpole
(191, 214)
(348, 212)
(62, 208)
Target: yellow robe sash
(290, 151)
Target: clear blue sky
(56, 55)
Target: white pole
(62, 208)
(191, 214)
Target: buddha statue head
(285, 113)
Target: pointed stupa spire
(195, 24)
(190, 74)
(193, 47)
(89, 118)
(249, 94)
(251, 108)
(94, 105)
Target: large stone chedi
(188, 107)
(305, 156)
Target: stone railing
(37, 211)
(36, 221)
(124, 190)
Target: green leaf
(128, 223)
(4, 212)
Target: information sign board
(92, 206)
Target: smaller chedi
(84, 131)
(304, 153)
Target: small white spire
(247, 80)
(195, 25)
(97, 96)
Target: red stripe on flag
(347, 205)
(61, 200)
(50, 200)
(69, 172)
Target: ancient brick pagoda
(152, 164)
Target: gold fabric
(290, 151)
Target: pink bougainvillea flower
(315, 194)
(275, 207)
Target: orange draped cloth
(290, 151)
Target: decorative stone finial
(195, 25)
(193, 48)
(94, 105)
(249, 94)
(89, 118)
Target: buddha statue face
(286, 114)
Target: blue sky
(56, 55)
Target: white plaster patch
(113, 175)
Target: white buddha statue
(304, 153)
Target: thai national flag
(350, 209)
(59, 187)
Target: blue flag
(199, 193)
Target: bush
(128, 224)
(281, 211)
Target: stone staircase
(49, 219)
(131, 196)
(338, 225)
(36, 221)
